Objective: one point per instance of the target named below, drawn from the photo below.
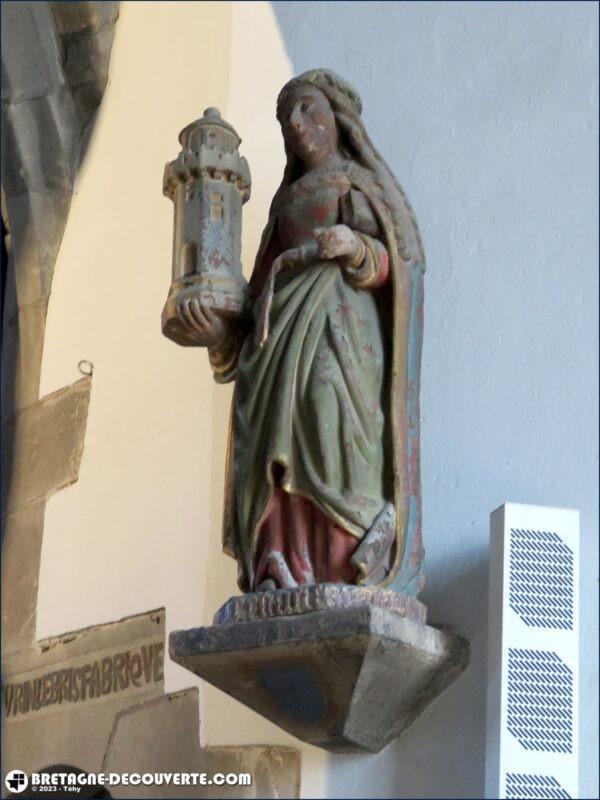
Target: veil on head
(356, 145)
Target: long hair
(356, 145)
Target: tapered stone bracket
(345, 679)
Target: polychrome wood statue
(323, 474)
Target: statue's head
(308, 124)
(307, 108)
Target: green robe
(308, 401)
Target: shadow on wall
(429, 759)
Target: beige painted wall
(141, 528)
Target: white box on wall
(533, 653)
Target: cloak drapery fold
(403, 324)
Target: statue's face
(309, 126)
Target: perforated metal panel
(537, 787)
(540, 700)
(532, 742)
(541, 579)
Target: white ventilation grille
(532, 743)
(541, 579)
(540, 700)
(536, 787)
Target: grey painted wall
(487, 112)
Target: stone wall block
(30, 51)
(55, 60)
(163, 736)
(21, 548)
(37, 224)
(72, 17)
(76, 730)
(22, 334)
(86, 33)
(275, 770)
(156, 736)
(40, 144)
(120, 634)
(45, 443)
(82, 54)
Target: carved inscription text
(104, 676)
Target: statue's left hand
(337, 242)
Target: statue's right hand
(201, 322)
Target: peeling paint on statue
(326, 400)
(323, 493)
(207, 182)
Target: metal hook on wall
(86, 367)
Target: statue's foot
(267, 585)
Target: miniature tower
(208, 183)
